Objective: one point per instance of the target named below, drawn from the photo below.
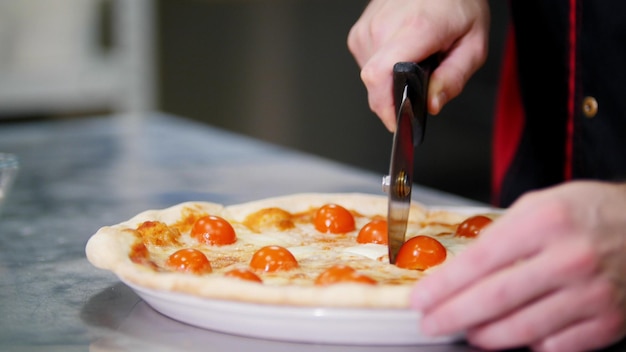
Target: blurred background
(277, 70)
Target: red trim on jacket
(509, 117)
(571, 94)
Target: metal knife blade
(410, 92)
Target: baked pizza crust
(109, 249)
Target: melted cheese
(368, 250)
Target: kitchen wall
(280, 70)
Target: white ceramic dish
(295, 324)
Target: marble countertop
(78, 175)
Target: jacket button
(590, 107)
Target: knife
(410, 88)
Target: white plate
(296, 324)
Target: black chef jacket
(561, 111)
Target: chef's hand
(390, 31)
(550, 274)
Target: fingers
(447, 81)
(377, 74)
(453, 73)
(506, 290)
(379, 83)
(544, 317)
(535, 276)
(361, 38)
(391, 31)
(524, 231)
(540, 275)
(491, 252)
(586, 335)
(532, 300)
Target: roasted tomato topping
(334, 218)
(243, 274)
(472, 226)
(273, 258)
(374, 231)
(421, 253)
(189, 260)
(213, 230)
(342, 273)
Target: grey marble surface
(79, 175)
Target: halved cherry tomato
(421, 253)
(342, 273)
(273, 258)
(213, 230)
(333, 218)
(243, 274)
(189, 260)
(374, 231)
(472, 226)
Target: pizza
(323, 250)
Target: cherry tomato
(421, 253)
(374, 231)
(273, 258)
(472, 226)
(333, 218)
(243, 274)
(213, 230)
(190, 261)
(342, 273)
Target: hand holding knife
(410, 95)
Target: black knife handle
(416, 77)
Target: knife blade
(410, 92)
